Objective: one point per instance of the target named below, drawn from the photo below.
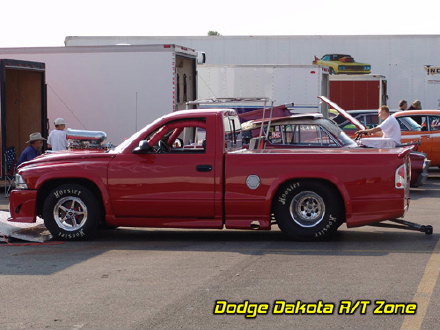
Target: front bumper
(23, 206)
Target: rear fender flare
(331, 179)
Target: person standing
(33, 149)
(389, 127)
(57, 139)
(403, 105)
(416, 105)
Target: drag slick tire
(71, 212)
(308, 210)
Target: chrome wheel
(70, 213)
(307, 209)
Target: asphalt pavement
(136, 278)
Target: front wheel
(308, 210)
(71, 212)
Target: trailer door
(185, 89)
(23, 102)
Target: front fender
(39, 177)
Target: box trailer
(22, 107)
(284, 84)
(352, 92)
(115, 89)
(402, 59)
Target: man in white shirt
(57, 139)
(389, 127)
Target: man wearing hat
(33, 149)
(57, 139)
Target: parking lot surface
(171, 279)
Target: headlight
(367, 67)
(342, 67)
(19, 182)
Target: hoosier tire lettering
(287, 190)
(308, 210)
(59, 193)
(72, 212)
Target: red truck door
(175, 179)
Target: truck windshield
(232, 126)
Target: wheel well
(49, 185)
(327, 183)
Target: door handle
(204, 168)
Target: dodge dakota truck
(188, 169)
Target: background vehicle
(428, 134)
(208, 182)
(427, 130)
(342, 63)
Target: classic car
(427, 130)
(342, 63)
(427, 133)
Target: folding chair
(10, 162)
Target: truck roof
(197, 112)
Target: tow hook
(403, 224)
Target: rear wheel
(71, 212)
(308, 210)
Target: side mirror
(143, 147)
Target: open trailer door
(23, 104)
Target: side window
(371, 120)
(348, 125)
(421, 120)
(183, 136)
(314, 135)
(434, 123)
(409, 124)
(289, 134)
(402, 125)
(233, 133)
(361, 119)
(275, 135)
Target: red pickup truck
(189, 170)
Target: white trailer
(402, 59)
(283, 84)
(115, 89)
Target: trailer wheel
(308, 210)
(71, 212)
